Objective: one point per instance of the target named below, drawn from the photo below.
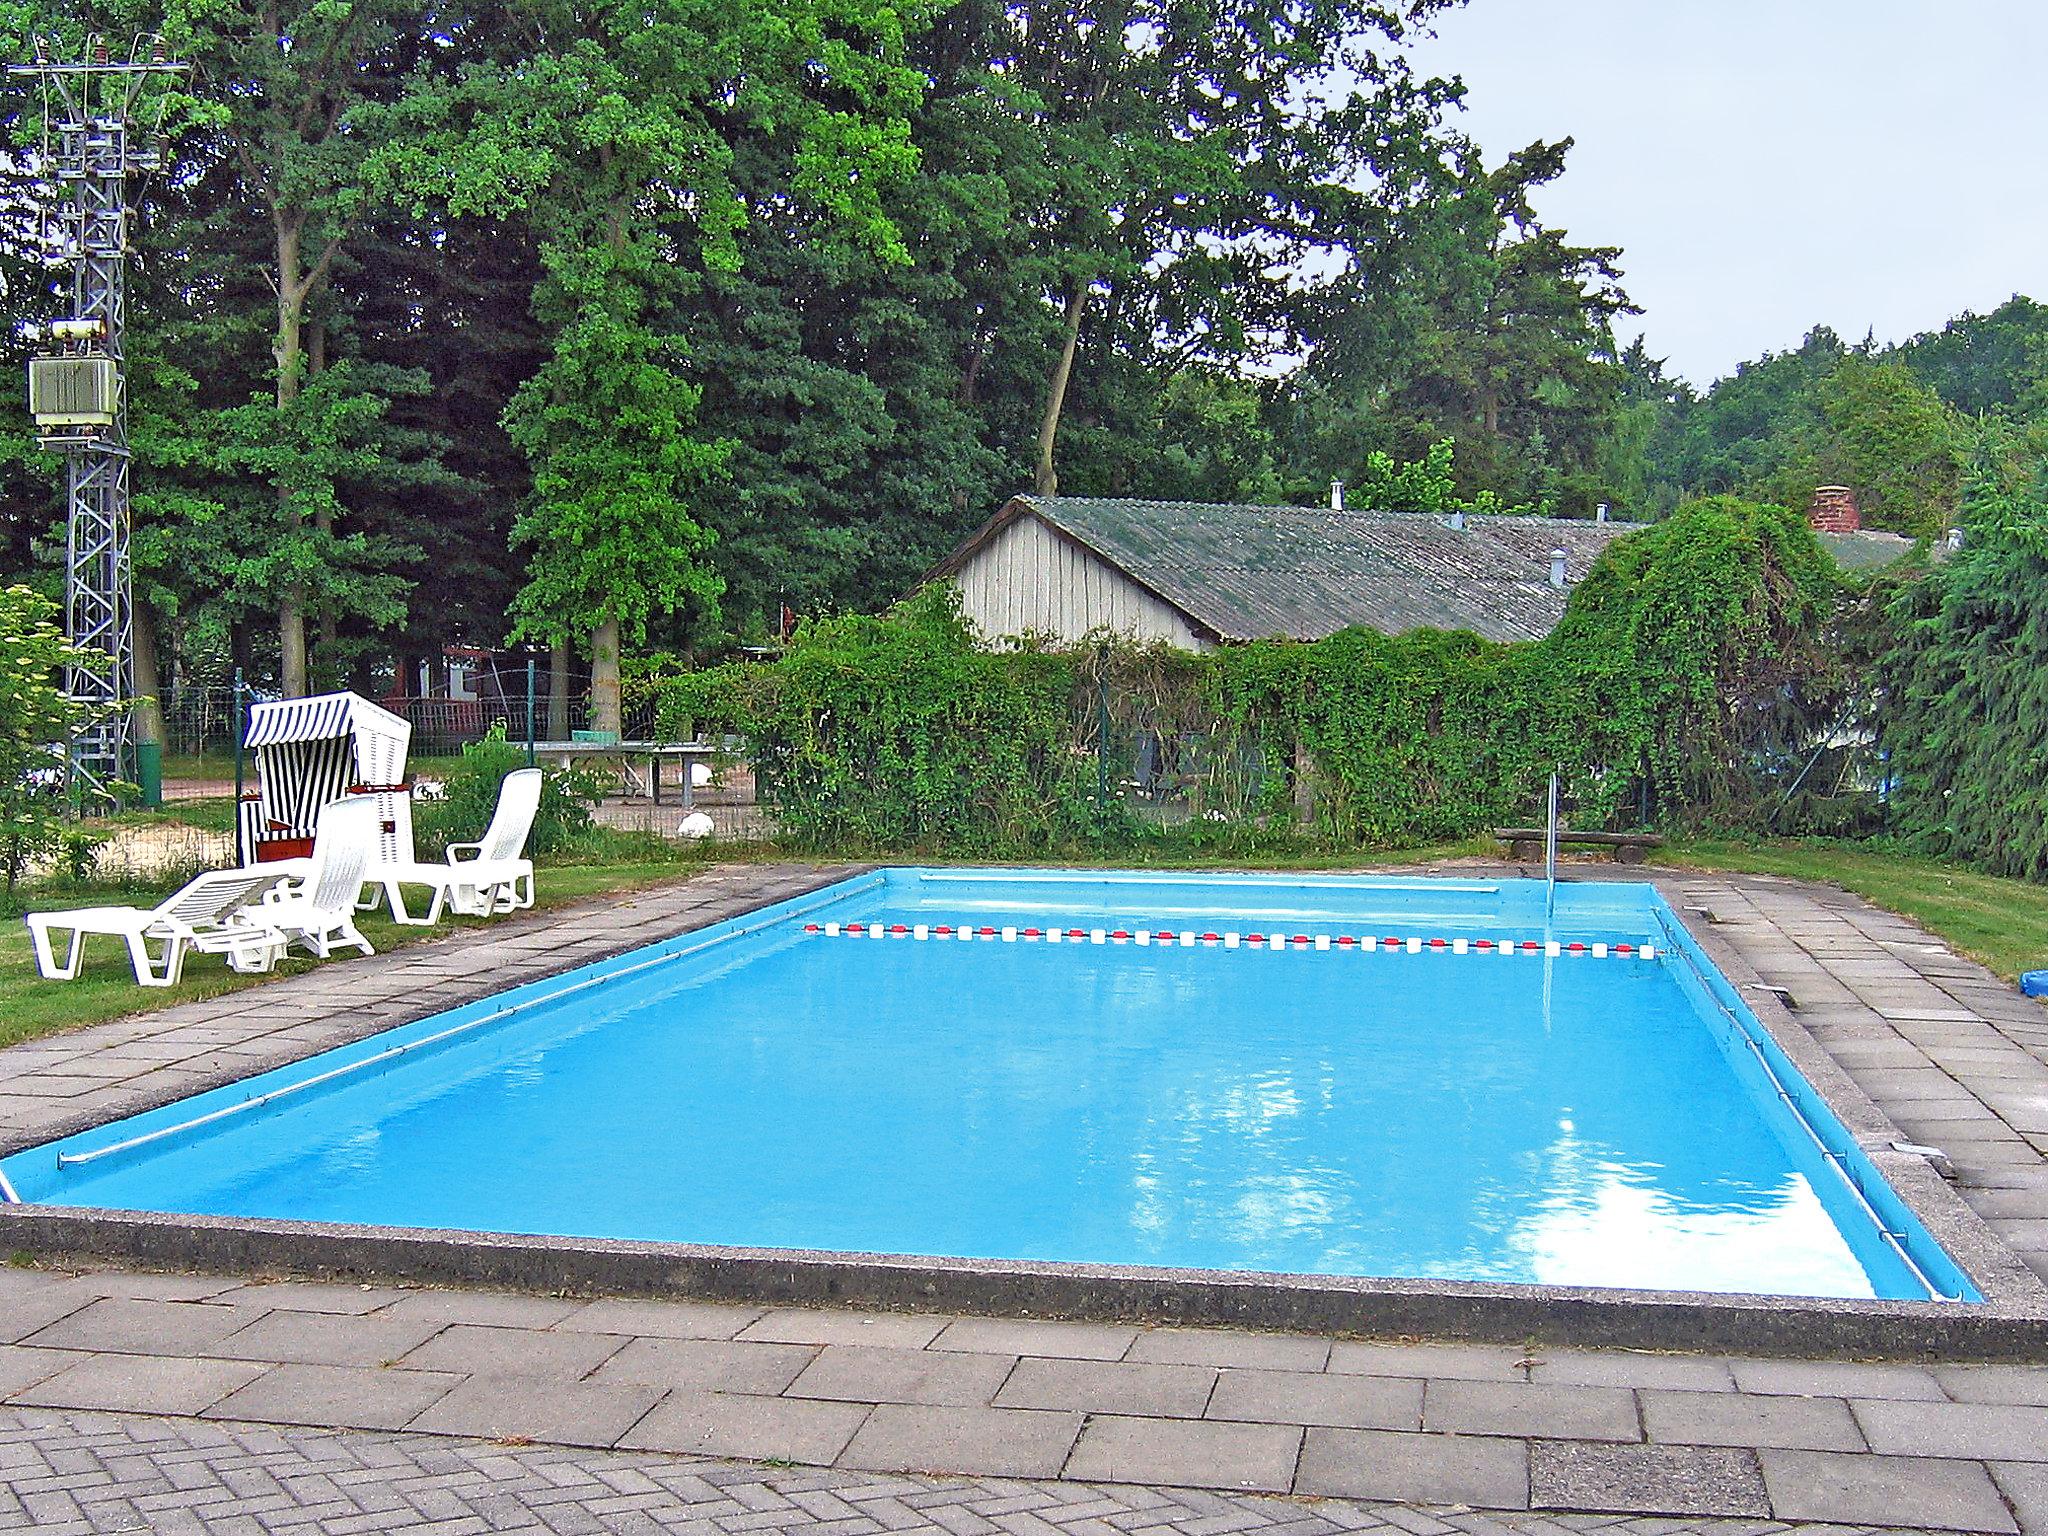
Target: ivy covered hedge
(1966, 715)
(1671, 687)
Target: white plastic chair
(318, 909)
(210, 915)
(480, 878)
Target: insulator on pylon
(99, 51)
(157, 52)
(42, 49)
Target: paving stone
(1836, 1378)
(1712, 1418)
(2025, 1486)
(800, 1325)
(979, 1442)
(1617, 1368)
(317, 1338)
(1035, 1336)
(21, 1368)
(1990, 1431)
(1295, 1397)
(141, 1384)
(356, 1396)
(491, 1308)
(141, 1327)
(1893, 1490)
(306, 1296)
(31, 1311)
(144, 1285)
(1421, 1469)
(1186, 1454)
(661, 1319)
(865, 1374)
(1103, 1386)
(1217, 1346)
(1646, 1479)
(471, 1348)
(708, 1365)
(1469, 1362)
(559, 1412)
(810, 1431)
(2026, 1384)
(1527, 1408)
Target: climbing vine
(1686, 669)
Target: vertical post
(1550, 856)
(1102, 746)
(241, 853)
(532, 677)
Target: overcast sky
(1771, 165)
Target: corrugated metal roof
(1252, 573)
(1867, 550)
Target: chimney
(1336, 495)
(1834, 510)
(1557, 568)
(1456, 521)
(1600, 516)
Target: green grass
(2001, 923)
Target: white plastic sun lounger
(479, 878)
(317, 907)
(210, 915)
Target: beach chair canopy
(312, 751)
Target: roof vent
(1954, 539)
(1336, 495)
(1600, 515)
(1456, 520)
(1557, 568)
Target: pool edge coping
(2011, 1323)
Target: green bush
(566, 800)
(35, 717)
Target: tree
(37, 716)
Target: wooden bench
(1525, 844)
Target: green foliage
(36, 718)
(1967, 718)
(567, 797)
(1673, 679)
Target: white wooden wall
(1029, 580)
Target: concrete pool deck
(1950, 1056)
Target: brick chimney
(1834, 510)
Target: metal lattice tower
(77, 392)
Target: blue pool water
(1352, 1110)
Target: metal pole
(1102, 748)
(1550, 856)
(241, 853)
(531, 679)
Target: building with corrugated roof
(1198, 574)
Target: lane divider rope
(1188, 938)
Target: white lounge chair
(480, 878)
(210, 915)
(317, 908)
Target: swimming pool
(1324, 1076)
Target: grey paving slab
(1419, 1469)
(1620, 1368)
(894, 1330)
(487, 1308)
(2025, 1486)
(1475, 1362)
(141, 1384)
(1991, 1431)
(977, 1442)
(708, 1365)
(1293, 1397)
(869, 1374)
(315, 1338)
(357, 1397)
(1528, 1408)
(559, 1412)
(1912, 1491)
(23, 1368)
(1185, 1453)
(141, 1327)
(471, 1348)
(762, 1428)
(2026, 1384)
(1710, 1418)
(1032, 1336)
(1216, 1346)
(309, 1296)
(1835, 1378)
(1098, 1386)
(661, 1319)
(1646, 1479)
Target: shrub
(566, 800)
(36, 718)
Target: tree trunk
(326, 667)
(289, 350)
(558, 691)
(1046, 482)
(149, 706)
(605, 714)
